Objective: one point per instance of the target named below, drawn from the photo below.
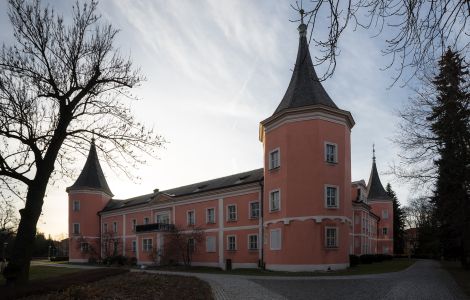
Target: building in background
(300, 212)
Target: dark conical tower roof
(375, 189)
(92, 176)
(304, 88)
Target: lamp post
(50, 252)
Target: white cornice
(317, 219)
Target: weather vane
(373, 152)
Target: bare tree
(8, 218)
(180, 245)
(60, 84)
(417, 141)
(88, 247)
(416, 32)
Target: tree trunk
(17, 271)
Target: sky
(214, 70)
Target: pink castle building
(300, 212)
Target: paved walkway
(424, 280)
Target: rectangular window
(331, 195)
(134, 246)
(331, 237)
(191, 218)
(115, 229)
(146, 220)
(231, 212)
(76, 228)
(105, 227)
(274, 200)
(385, 250)
(162, 218)
(191, 245)
(331, 153)
(76, 205)
(210, 244)
(253, 241)
(254, 210)
(210, 215)
(274, 159)
(231, 243)
(385, 231)
(84, 247)
(147, 245)
(384, 214)
(275, 239)
(134, 224)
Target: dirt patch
(136, 286)
(58, 283)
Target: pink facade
(300, 212)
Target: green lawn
(40, 272)
(461, 276)
(375, 268)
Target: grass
(394, 265)
(42, 272)
(461, 276)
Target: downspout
(261, 183)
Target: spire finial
(92, 136)
(302, 13)
(373, 152)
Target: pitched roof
(191, 189)
(304, 88)
(92, 176)
(375, 189)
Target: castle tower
(307, 169)
(381, 205)
(87, 196)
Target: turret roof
(92, 176)
(375, 189)
(304, 88)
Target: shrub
(354, 260)
(367, 258)
(59, 258)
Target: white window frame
(194, 217)
(326, 196)
(228, 242)
(105, 227)
(228, 213)
(270, 203)
(250, 216)
(336, 244)
(335, 160)
(146, 220)
(134, 224)
(75, 232)
(76, 205)
(249, 242)
(145, 249)
(207, 215)
(163, 213)
(115, 227)
(384, 230)
(271, 239)
(207, 244)
(134, 246)
(270, 161)
(82, 248)
(384, 214)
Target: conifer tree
(398, 222)
(450, 119)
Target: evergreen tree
(450, 119)
(398, 222)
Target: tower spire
(373, 153)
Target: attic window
(200, 188)
(241, 179)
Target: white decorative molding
(317, 219)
